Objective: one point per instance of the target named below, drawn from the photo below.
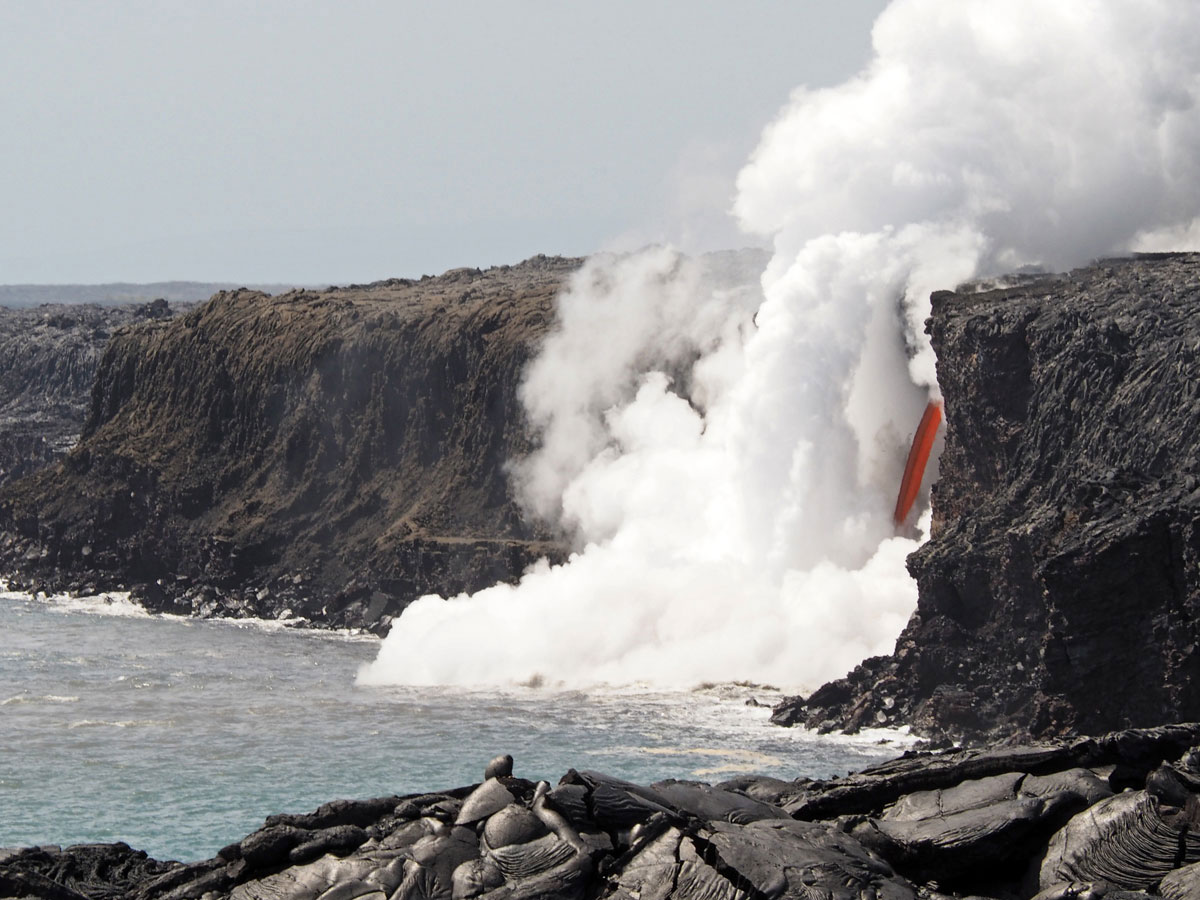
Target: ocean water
(179, 736)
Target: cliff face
(332, 453)
(48, 360)
(1060, 590)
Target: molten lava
(918, 457)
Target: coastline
(182, 734)
(1091, 817)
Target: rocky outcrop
(330, 455)
(1060, 591)
(1091, 818)
(48, 360)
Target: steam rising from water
(726, 457)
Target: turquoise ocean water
(179, 736)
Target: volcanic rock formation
(1090, 818)
(1060, 591)
(332, 455)
(48, 359)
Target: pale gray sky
(286, 141)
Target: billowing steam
(728, 458)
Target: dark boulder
(338, 840)
(980, 829)
(500, 767)
(339, 812)
(270, 845)
(1130, 756)
(94, 871)
(1129, 841)
(715, 803)
(775, 857)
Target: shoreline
(1061, 819)
(224, 724)
(129, 598)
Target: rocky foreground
(1060, 591)
(1114, 816)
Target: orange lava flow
(918, 457)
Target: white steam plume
(729, 472)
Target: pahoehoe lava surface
(1083, 819)
(1060, 591)
(330, 453)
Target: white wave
(35, 698)
(120, 604)
(290, 624)
(108, 603)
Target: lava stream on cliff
(726, 458)
(918, 459)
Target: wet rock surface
(1060, 591)
(321, 455)
(1114, 816)
(49, 354)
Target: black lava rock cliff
(48, 359)
(329, 454)
(1060, 591)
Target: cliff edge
(1060, 589)
(331, 454)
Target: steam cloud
(727, 456)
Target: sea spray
(689, 492)
(729, 478)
